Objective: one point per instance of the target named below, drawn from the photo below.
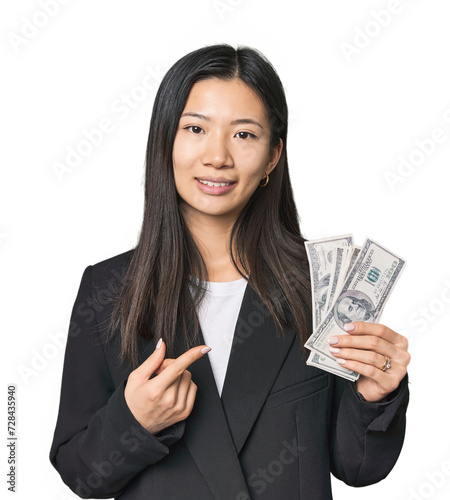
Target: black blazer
(278, 430)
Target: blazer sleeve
(98, 445)
(366, 438)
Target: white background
(353, 113)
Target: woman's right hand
(169, 396)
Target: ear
(274, 157)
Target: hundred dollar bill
(363, 296)
(320, 265)
(337, 275)
(324, 363)
(353, 257)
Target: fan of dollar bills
(348, 283)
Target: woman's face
(223, 138)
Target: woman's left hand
(365, 350)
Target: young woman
(148, 410)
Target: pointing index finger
(179, 365)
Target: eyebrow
(240, 121)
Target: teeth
(215, 184)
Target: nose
(216, 152)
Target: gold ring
(386, 364)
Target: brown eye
(195, 129)
(246, 135)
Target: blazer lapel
(208, 437)
(257, 356)
(217, 428)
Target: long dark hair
(158, 295)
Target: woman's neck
(212, 237)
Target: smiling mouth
(215, 184)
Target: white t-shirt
(218, 313)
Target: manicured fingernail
(158, 345)
(334, 349)
(205, 350)
(333, 340)
(340, 361)
(349, 327)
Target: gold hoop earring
(265, 184)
